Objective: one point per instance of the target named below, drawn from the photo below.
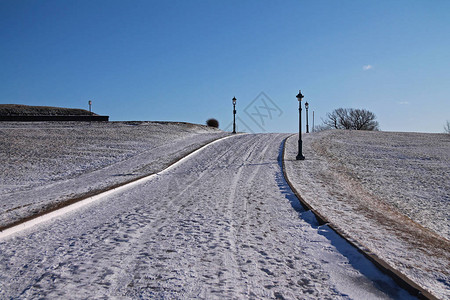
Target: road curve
(222, 224)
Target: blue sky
(186, 60)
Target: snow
(222, 223)
(389, 192)
(77, 205)
(47, 163)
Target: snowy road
(222, 224)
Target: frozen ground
(388, 191)
(222, 224)
(46, 163)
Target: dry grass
(26, 110)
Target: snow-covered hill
(390, 192)
(221, 224)
(224, 221)
(44, 164)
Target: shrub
(212, 123)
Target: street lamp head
(234, 100)
(306, 104)
(299, 96)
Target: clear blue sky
(185, 60)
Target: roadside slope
(46, 164)
(329, 182)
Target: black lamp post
(306, 107)
(234, 114)
(299, 98)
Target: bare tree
(356, 119)
(447, 127)
(362, 119)
(338, 119)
